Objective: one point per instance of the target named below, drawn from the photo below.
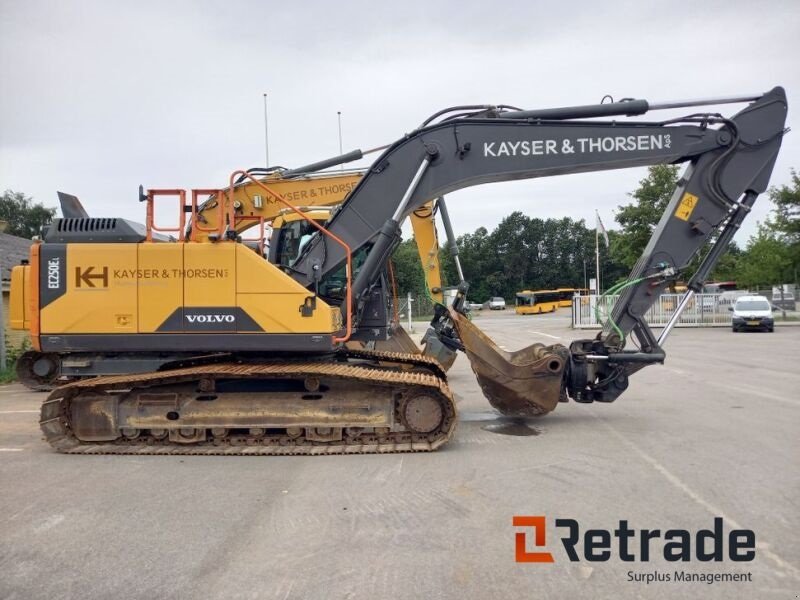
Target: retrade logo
(631, 545)
(537, 526)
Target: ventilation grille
(86, 224)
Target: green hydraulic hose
(615, 289)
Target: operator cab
(291, 232)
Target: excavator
(262, 361)
(320, 193)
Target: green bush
(13, 353)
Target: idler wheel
(38, 371)
(422, 413)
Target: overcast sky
(99, 96)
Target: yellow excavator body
(161, 289)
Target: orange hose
(321, 229)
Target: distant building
(13, 249)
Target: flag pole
(597, 255)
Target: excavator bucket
(400, 341)
(525, 383)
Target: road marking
(748, 390)
(555, 337)
(17, 412)
(762, 546)
(48, 523)
(11, 449)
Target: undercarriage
(360, 402)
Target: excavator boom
(729, 163)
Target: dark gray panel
(71, 207)
(94, 230)
(209, 318)
(52, 273)
(187, 342)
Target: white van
(752, 312)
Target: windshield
(498, 300)
(745, 305)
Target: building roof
(12, 250)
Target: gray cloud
(99, 97)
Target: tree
(408, 270)
(766, 260)
(727, 267)
(24, 217)
(787, 208)
(786, 221)
(639, 219)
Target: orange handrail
(260, 237)
(150, 223)
(321, 229)
(220, 209)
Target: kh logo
(634, 545)
(86, 277)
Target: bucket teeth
(525, 383)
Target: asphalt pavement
(712, 433)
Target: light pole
(585, 280)
(339, 116)
(266, 132)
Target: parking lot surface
(712, 433)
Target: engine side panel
(112, 297)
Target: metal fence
(703, 310)
(421, 309)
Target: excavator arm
(730, 161)
(250, 205)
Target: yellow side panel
(16, 310)
(273, 299)
(209, 274)
(100, 292)
(26, 286)
(160, 283)
(424, 226)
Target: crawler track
(402, 376)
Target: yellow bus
(565, 295)
(535, 302)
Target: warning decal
(686, 206)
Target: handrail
(260, 237)
(321, 229)
(219, 229)
(150, 222)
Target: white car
(752, 312)
(497, 303)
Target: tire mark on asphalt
(555, 337)
(715, 511)
(740, 388)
